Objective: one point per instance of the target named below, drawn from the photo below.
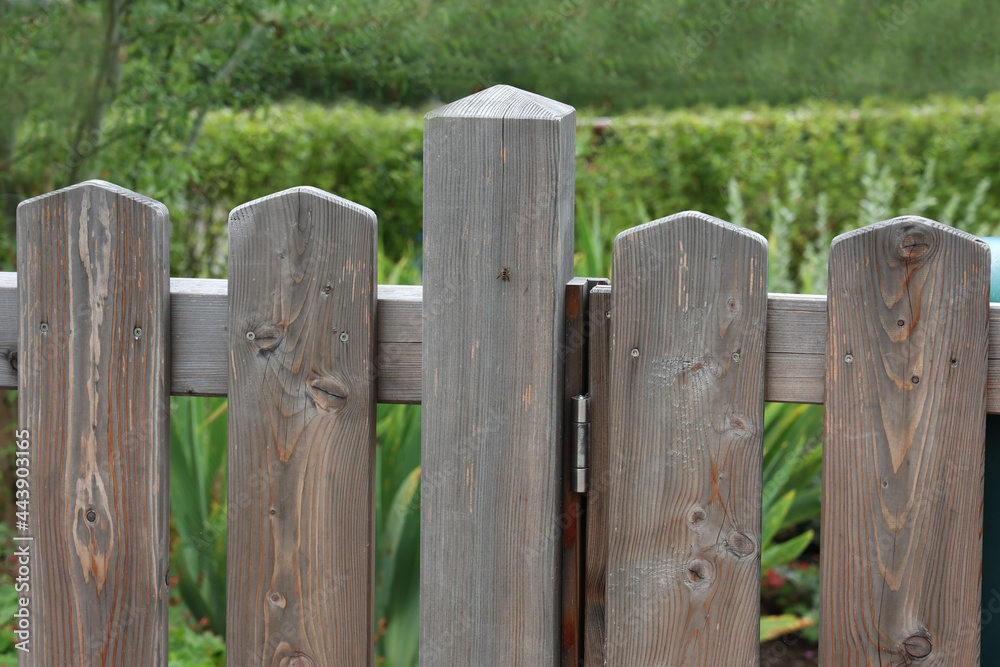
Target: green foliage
(397, 529)
(190, 647)
(198, 503)
(8, 606)
(792, 458)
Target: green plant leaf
(772, 627)
(785, 552)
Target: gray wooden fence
(657, 565)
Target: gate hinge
(580, 423)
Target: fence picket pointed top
(297, 195)
(905, 222)
(103, 186)
(688, 216)
(503, 101)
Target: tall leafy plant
(198, 505)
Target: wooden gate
(637, 545)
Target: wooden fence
(658, 564)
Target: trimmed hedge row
(632, 168)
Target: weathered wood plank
(94, 304)
(686, 386)
(903, 446)
(795, 364)
(597, 493)
(498, 252)
(301, 431)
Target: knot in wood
(327, 393)
(298, 659)
(698, 572)
(917, 646)
(911, 242)
(696, 516)
(277, 599)
(741, 545)
(265, 338)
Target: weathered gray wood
(597, 492)
(795, 365)
(686, 388)
(94, 303)
(903, 449)
(199, 339)
(498, 252)
(301, 431)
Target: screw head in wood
(251, 335)
(343, 336)
(91, 516)
(137, 332)
(43, 327)
(635, 352)
(607, 314)
(736, 357)
(915, 380)
(848, 358)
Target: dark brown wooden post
(498, 252)
(597, 489)
(903, 450)
(93, 295)
(686, 391)
(302, 296)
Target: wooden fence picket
(93, 293)
(498, 252)
(903, 446)
(686, 389)
(302, 302)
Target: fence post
(498, 252)
(686, 390)
(903, 445)
(302, 297)
(93, 295)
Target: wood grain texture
(498, 192)
(903, 446)
(686, 386)
(93, 297)
(301, 431)
(596, 563)
(795, 365)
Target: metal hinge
(580, 423)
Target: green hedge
(639, 167)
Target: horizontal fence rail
(794, 366)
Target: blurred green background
(799, 119)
